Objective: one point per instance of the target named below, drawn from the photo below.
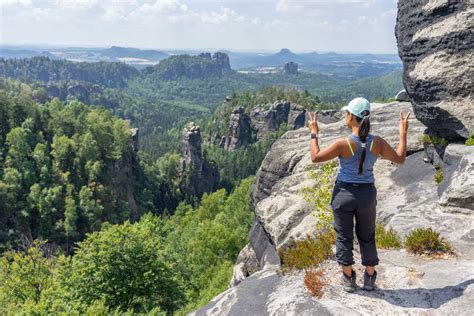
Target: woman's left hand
(313, 122)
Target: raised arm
(328, 153)
(387, 152)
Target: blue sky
(259, 25)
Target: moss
(387, 239)
(426, 241)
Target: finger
(401, 115)
(408, 115)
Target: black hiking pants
(349, 201)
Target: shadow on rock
(419, 297)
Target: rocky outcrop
(240, 130)
(408, 197)
(290, 68)
(245, 265)
(263, 120)
(197, 175)
(402, 96)
(203, 65)
(436, 44)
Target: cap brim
(344, 108)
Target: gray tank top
(349, 167)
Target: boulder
(402, 96)
(436, 45)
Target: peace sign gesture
(403, 127)
(313, 122)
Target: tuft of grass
(470, 140)
(314, 281)
(439, 176)
(427, 241)
(387, 239)
(307, 253)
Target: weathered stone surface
(436, 45)
(245, 265)
(406, 285)
(329, 116)
(460, 182)
(402, 96)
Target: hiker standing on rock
(354, 193)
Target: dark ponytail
(364, 128)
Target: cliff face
(407, 196)
(261, 122)
(436, 44)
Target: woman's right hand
(403, 127)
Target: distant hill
(23, 53)
(108, 74)
(121, 52)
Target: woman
(354, 193)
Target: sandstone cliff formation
(198, 176)
(436, 44)
(246, 128)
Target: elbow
(401, 160)
(315, 159)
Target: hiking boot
(369, 281)
(349, 283)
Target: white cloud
(10, 3)
(302, 5)
(163, 7)
(76, 4)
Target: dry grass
(315, 282)
(307, 253)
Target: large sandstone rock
(436, 44)
(407, 285)
(198, 176)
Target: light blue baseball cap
(357, 106)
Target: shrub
(320, 195)
(315, 282)
(308, 252)
(439, 175)
(435, 140)
(426, 241)
(387, 239)
(470, 140)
